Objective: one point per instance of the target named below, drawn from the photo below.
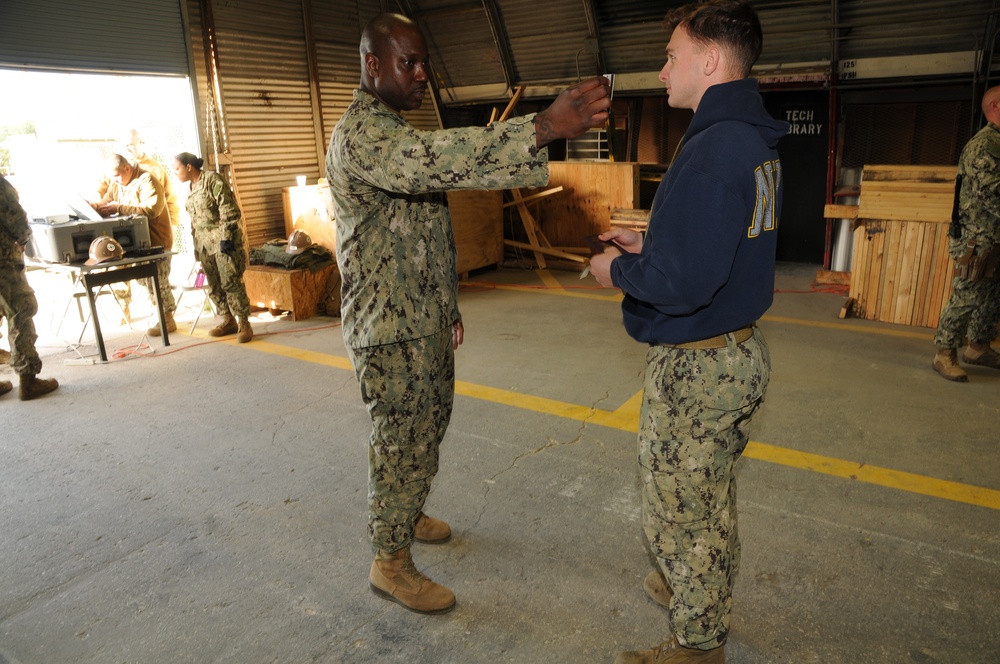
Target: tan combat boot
(5, 387)
(4, 356)
(671, 652)
(394, 577)
(657, 589)
(227, 326)
(946, 364)
(171, 325)
(981, 355)
(429, 530)
(244, 331)
(32, 387)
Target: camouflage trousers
(408, 388)
(166, 292)
(19, 306)
(693, 426)
(224, 277)
(972, 312)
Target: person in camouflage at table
(17, 300)
(216, 224)
(396, 255)
(973, 309)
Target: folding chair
(196, 284)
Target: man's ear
(712, 59)
(371, 65)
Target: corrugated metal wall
(98, 35)
(279, 121)
(264, 76)
(337, 33)
(462, 46)
(546, 39)
(274, 123)
(874, 28)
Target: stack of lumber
(901, 271)
(635, 220)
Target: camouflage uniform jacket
(215, 215)
(979, 196)
(144, 195)
(14, 229)
(395, 247)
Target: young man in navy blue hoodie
(694, 287)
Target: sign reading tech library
(803, 122)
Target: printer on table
(54, 240)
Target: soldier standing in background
(396, 254)
(135, 191)
(973, 309)
(216, 224)
(17, 299)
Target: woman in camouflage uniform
(218, 244)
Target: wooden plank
(830, 277)
(924, 272)
(549, 251)
(860, 271)
(848, 307)
(903, 263)
(907, 193)
(877, 268)
(937, 279)
(944, 269)
(915, 277)
(531, 228)
(894, 251)
(624, 214)
(513, 101)
(840, 211)
(526, 199)
(930, 173)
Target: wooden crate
(592, 189)
(901, 271)
(297, 291)
(477, 220)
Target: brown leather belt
(739, 336)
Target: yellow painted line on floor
(549, 280)
(626, 418)
(910, 334)
(887, 477)
(551, 286)
(300, 354)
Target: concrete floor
(206, 502)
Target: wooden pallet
(901, 271)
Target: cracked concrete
(207, 503)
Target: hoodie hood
(738, 101)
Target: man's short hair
(377, 33)
(731, 24)
(117, 161)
